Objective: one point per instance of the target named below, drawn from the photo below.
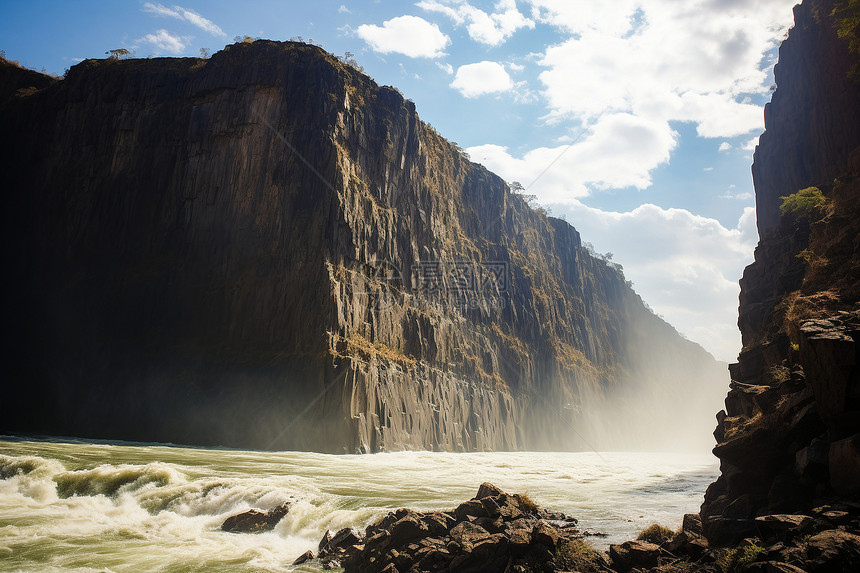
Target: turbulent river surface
(71, 505)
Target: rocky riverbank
(507, 533)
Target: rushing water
(69, 505)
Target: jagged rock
(780, 526)
(467, 534)
(546, 534)
(487, 489)
(690, 540)
(407, 529)
(630, 554)
(833, 550)
(254, 521)
(473, 508)
(306, 556)
(324, 542)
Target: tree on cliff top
(118, 54)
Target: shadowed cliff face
(267, 249)
(790, 433)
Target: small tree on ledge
(805, 202)
(118, 54)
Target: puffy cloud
(685, 266)
(619, 150)
(185, 14)
(408, 35)
(484, 77)
(725, 146)
(164, 41)
(693, 61)
(487, 28)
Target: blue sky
(645, 111)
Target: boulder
(638, 554)
(254, 521)
(407, 529)
(474, 508)
(833, 550)
(306, 556)
(546, 534)
(467, 534)
(782, 526)
(487, 489)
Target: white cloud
(481, 78)
(492, 29)
(725, 146)
(618, 150)
(685, 266)
(665, 60)
(751, 144)
(343, 9)
(185, 14)
(447, 68)
(165, 42)
(408, 35)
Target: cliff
(789, 437)
(267, 249)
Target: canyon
(267, 249)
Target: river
(75, 505)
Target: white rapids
(72, 505)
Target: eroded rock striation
(267, 249)
(788, 437)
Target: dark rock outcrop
(255, 521)
(516, 536)
(494, 531)
(788, 437)
(266, 249)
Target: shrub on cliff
(806, 202)
(738, 558)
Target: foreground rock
(499, 532)
(254, 521)
(494, 531)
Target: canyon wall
(267, 249)
(789, 437)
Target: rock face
(266, 249)
(788, 436)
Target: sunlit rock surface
(266, 249)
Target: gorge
(266, 249)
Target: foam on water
(121, 507)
